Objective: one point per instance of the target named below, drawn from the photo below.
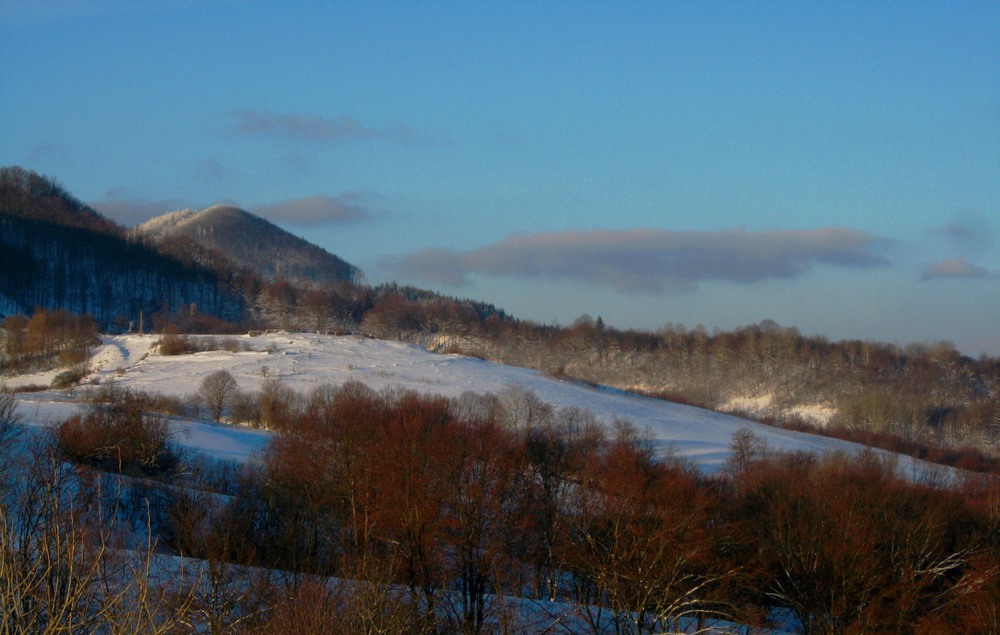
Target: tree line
(924, 397)
(46, 339)
(396, 512)
(925, 400)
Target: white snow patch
(119, 352)
(166, 222)
(749, 405)
(33, 379)
(816, 414)
(220, 441)
(763, 405)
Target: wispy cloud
(955, 268)
(133, 211)
(955, 231)
(49, 151)
(321, 209)
(969, 233)
(648, 260)
(316, 128)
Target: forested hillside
(919, 398)
(57, 253)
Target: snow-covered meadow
(304, 361)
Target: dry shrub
(119, 432)
(366, 605)
(30, 388)
(69, 378)
(171, 343)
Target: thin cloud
(970, 233)
(955, 268)
(318, 210)
(48, 151)
(954, 230)
(315, 128)
(648, 260)
(133, 211)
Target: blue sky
(830, 166)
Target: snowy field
(304, 361)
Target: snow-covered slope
(161, 225)
(252, 242)
(305, 361)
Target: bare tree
(276, 404)
(9, 419)
(745, 448)
(62, 565)
(217, 391)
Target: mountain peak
(165, 223)
(252, 242)
(223, 211)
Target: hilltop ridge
(252, 242)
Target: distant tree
(316, 308)
(745, 447)
(642, 544)
(556, 453)
(392, 318)
(483, 524)
(276, 404)
(278, 302)
(8, 415)
(415, 485)
(523, 409)
(12, 334)
(217, 391)
(849, 546)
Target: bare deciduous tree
(217, 391)
(9, 419)
(63, 568)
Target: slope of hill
(624, 521)
(57, 253)
(29, 195)
(305, 361)
(252, 242)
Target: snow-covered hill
(305, 361)
(252, 242)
